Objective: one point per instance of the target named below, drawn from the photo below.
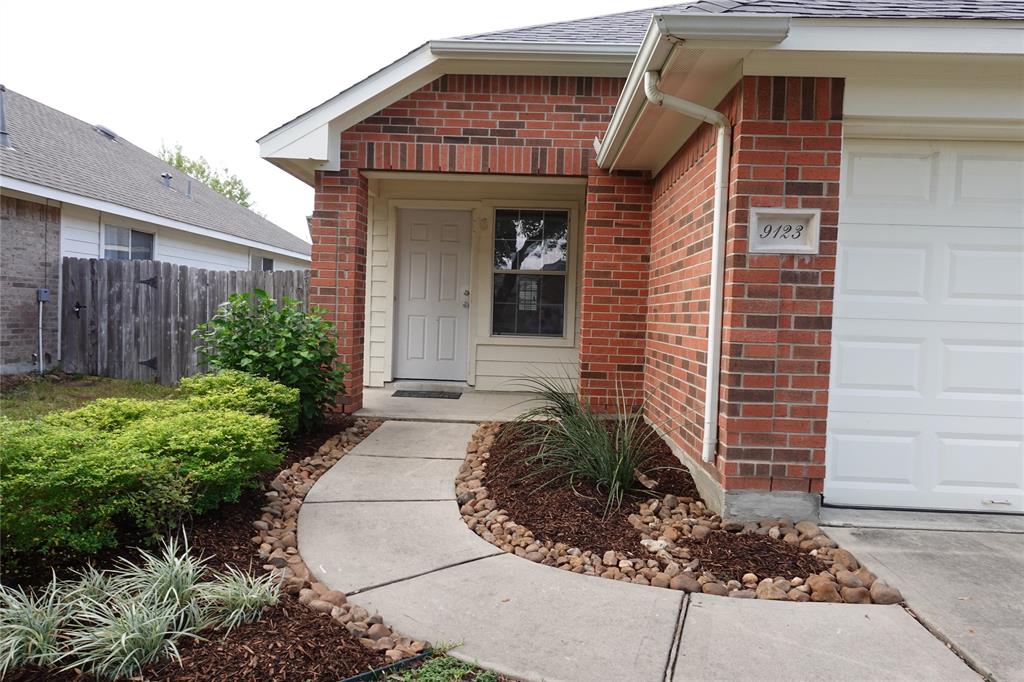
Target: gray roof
(61, 152)
(627, 28)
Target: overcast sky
(215, 75)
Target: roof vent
(5, 139)
(106, 132)
(166, 178)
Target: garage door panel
(930, 273)
(926, 399)
(920, 367)
(958, 183)
(974, 463)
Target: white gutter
(723, 146)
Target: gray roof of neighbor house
(58, 151)
(627, 28)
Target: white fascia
(32, 188)
(312, 140)
(809, 39)
(732, 31)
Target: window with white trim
(267, 264)
(531, 256)
(122, 243)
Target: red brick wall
(777, 314)
(616, 253)
(677, 326)
(778, 309)
(532, 125)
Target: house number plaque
(783, 230)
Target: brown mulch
(557, 513)
(290, 641)
(730, 555)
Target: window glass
(117, 241)
(142, 245)
(267, 264)
(530, 262)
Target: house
(794, 228)
(69, 188)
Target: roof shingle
(627, 28)
(53, 149)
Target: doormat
(447, 395)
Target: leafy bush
(234, 390)
(72, 494)
(575, 443)
(113, 414)
(218, 451)
(113, 623)
(254, 334)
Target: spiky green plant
(31, 624)
(170, 577)
(238, 597)
(115, 638)
(574, 443)
(91, 583)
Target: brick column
(338, 230)
(778, 308)
(613, 295)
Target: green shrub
(74, 495)
(219, 452)
(253, 334)
(574, 443)
(113, 414)
(234, 390)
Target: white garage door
(926, 403)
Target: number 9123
(782, 231)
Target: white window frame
(108, 226)
(572, 283)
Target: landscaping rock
(855, 595)
(715, 588)
(684, 582)
(881, 593)
(768, 590)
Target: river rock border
(663, 522)
(278, 549)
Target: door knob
(465, 292)
(465, 304)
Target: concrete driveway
(961, 574)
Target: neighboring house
(819, 290)
(69, 188)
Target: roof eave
(310, 142)
(722, 31)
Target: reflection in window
(530, 263)
(121, 243)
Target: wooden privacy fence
(134, 319)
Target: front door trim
(476, 215)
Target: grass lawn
(31, 397)
(445, 669)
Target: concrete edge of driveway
(416, 563)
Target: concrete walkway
(963, 576)
(473, 406)
(383, 527)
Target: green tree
(222, 180)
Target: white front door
(926, 404)
(432, 294)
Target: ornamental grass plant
(571, 443)
(111, 624)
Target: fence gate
(134, 319)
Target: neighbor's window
(531, 250)
(267, 264)
(120, 243)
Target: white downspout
(722, 153)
